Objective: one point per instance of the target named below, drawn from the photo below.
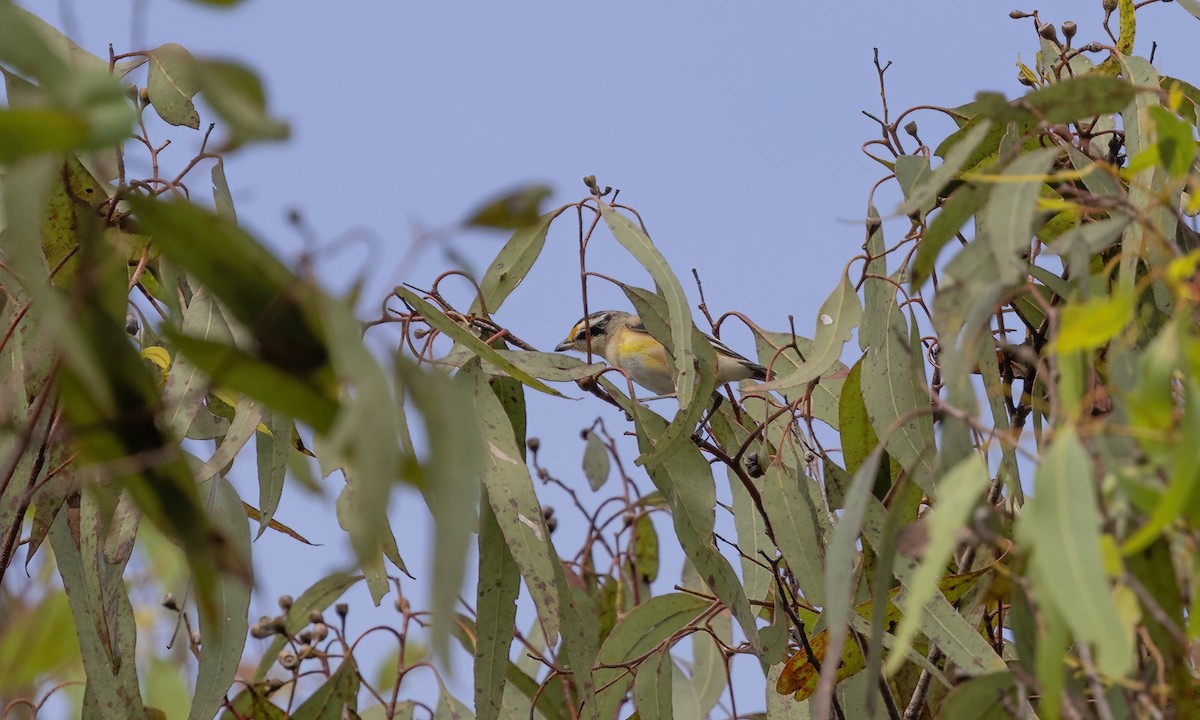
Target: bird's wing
(719, 347)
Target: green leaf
(931, 186)
(104, 622)
(315, 599)
(1091, 324)
(518, 512)
(635, 240)
(166, 690)
(1063, 524)
(36, 639)
(29, 51)
(338, 694)
(246, 418)
(988, 697)
(27, 132)
(222, 198)
(837, 318)
(513, 263)
(243, 373)
(708, 663)
(783, 707)
(840, 571)
(645, 549)
(894, 395)
(271, 453)
(365, 434)
(639, 632)
(237, 96)
(513, 210)
(823, 403)
(1184, 470)
(171, 82)
(595, 462)
(1089, 239)
(449, 708)
(496, 613)
(253, 703)
(462, 335)
(353, 514)
(791, 501)
(555, 367)
(911, 171)
(449, 479)
(281, 311)
(964, 202)
(752, 539)
(223, 642)
(652, 688)
(654, 313)
(1176, 142)
(958, 493)
(1059, 102)
(687, 482)
(1013, 206)
(186, 386)
(1192, 6)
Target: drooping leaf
(931, 185)
(449, 478)
(709, 677)
(687, 483)
(514, 210)
(595, 461)
(237, 95)
(36, 639)
(633, 239)
(655, 315)
(839, 315)
(224, 640)
(512, 263)
(652, 688)
(281, 311)
(514, 501)
(335, 697)
(104, 622)
(775, 353)
(171, 82)
(954, 213)
(959, 491)
(496, 613)
(645, 549)
(1063, 524)
(648, 625)
(272, 449)
(793, 515)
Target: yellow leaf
(1089, 325)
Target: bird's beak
(563, 346)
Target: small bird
(623, 341)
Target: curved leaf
(518, 512)
(648, 625)
(1063, 523)
(223, 642)
(171, 82)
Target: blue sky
(733, 127)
